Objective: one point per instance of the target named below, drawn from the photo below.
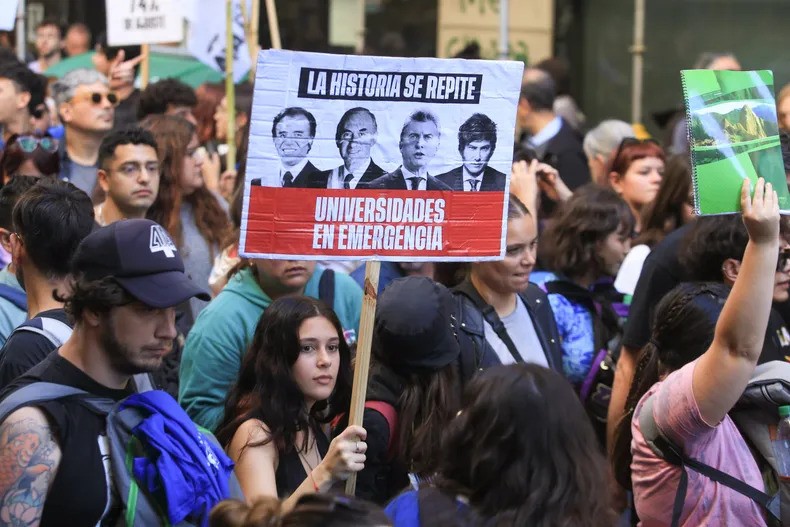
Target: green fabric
(131, 500)
(223, 331)
(185, 68)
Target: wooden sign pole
(145, 65)
(230, 93)
(362, 361)
(274, 26)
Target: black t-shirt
(660, 274)
(777, 339)
(78, 494)
(25, 349)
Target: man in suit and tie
(355, 136)
(293, 131)
(419, 141)
(476, 143)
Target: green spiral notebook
(733, 135)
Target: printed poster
(733, 135)
(354, 157)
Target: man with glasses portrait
(128, 175)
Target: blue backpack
(165, 470)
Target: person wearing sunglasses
(86, 107)
(30, 155)
(635, 173)
(21, 92)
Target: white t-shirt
(630, 269)
(522, 332)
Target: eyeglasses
(96, 97)
(28, 143)
(784, 257)
(631, 141)
(134, 169)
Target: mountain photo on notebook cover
(733, 135)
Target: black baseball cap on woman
(142, 258)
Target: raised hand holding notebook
(733, 135)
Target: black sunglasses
(97, 97)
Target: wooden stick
(230, 87)
(274, 27)
(252, 41)
(145, 65)
(362, 361)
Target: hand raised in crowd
(346, 455)
(121, 73)
(524, 185)
(761, 212)
(549, 181)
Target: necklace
(303, 455)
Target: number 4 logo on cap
(161, 242)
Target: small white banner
(8, 14)
(207, 41)
(131, 22)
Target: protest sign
(132, 22)
(208, 36)
(733, 135)
(336, 143)
(8, 14)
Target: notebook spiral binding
(694, 184)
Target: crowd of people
(524, 391)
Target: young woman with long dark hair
(195, 217)
(295, 377)
(520, 452)
(672, 208)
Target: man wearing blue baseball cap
(129, 277)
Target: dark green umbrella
(163, 65)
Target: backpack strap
(14, 295)
(143, 382)
(391, 415)
(52, 329)
(326, 287)
(490, 315)
(668, 451)
(39, 392)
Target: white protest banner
(8, 14)
(338, 142)
(132, 22)
(207, 36)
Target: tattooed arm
(29, 458)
